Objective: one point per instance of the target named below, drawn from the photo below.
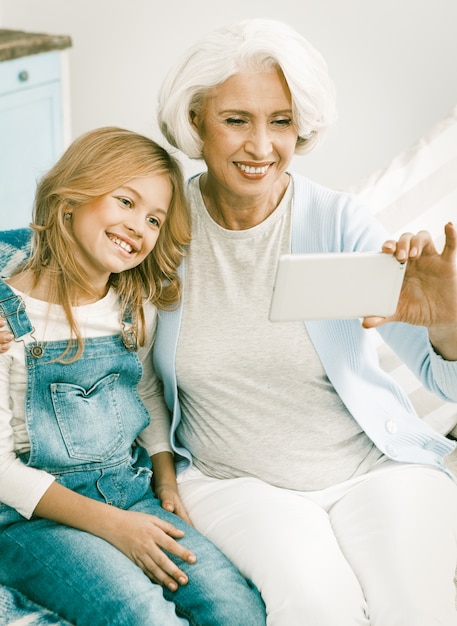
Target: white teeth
(122, 244)
(252, 170)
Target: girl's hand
(164, 484)
(144, 539)
(171, 501)
(6, 336)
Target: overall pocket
(89, 419)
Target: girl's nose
(135, 224)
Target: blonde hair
(95, 164)
(255, 45)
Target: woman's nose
(259, 143)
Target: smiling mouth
(250, 169)
(122, 244)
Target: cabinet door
(30, 132)
(31, 141)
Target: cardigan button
(391, 427)
(390, 450)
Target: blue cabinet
(31, 130)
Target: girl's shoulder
(23, 282)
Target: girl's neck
(41, 290)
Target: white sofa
(417, 190)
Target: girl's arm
(6, 337)
(141, 537)
(21, 486)
(165, 486)
(156, 437)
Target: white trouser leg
(398, 530)
(391, 533)
(284, 543)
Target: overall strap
(12, 308)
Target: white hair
(255, 45)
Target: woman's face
(247, 131)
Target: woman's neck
(235, 212)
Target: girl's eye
(153, 221)
(126, 202)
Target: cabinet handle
(23, 76)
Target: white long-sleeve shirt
(21, 487)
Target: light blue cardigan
(324, 220)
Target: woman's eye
(285, 121)
(234, 121)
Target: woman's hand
(429, 292)
(6, 336)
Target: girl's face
(116, 232)
(248, 135)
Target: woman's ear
(193, 116)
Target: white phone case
(336, 286)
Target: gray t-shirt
(255, 398)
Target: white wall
(394, 63)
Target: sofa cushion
(14, 249)
(17, 610)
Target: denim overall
(82, 418)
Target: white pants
(378, 550)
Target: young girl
(81, 411)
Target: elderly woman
(298, 456)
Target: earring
(67, 216)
